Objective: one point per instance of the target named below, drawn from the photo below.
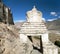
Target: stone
(5, 14)
(23, 38)
(50, 49)
(35, 52)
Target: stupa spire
(34, 8)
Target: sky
(49, 8)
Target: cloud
(19, 21)
(53, 13)
(58, 16)
(51, 19)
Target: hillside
(10, 41)
(54, 25)
(7, 38)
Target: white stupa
(34, 26)
(34, 23)
(34, 15)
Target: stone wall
(5, 14)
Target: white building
(34, 26)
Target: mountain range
(53, 25)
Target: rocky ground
(54, 36)
(10, 41)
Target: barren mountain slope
(10, 41)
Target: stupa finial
(34, 8)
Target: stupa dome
(34, 15)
